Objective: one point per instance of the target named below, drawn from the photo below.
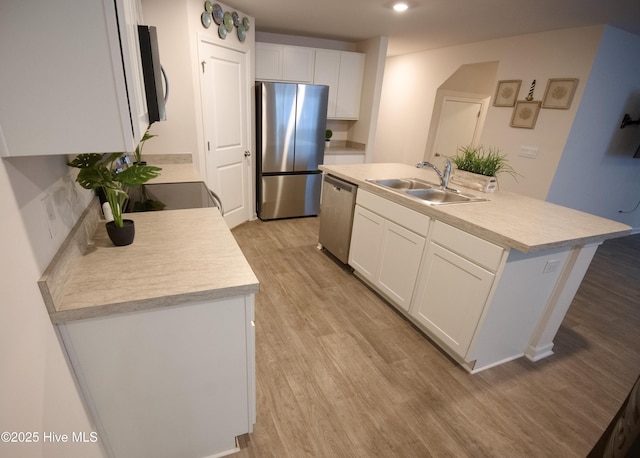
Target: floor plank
(341, 374)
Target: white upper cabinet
(342, 71)
(327, 72)
(350, 85)
(65, 78)
(284, 63)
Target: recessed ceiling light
(400, 6)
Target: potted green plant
(137, 154)
(327, 137)
(477, 167)
(97, 172)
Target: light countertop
(176, 173)
(343, 151)
(507, 219)
(177, 256)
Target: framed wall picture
(506, 93)
(525, 114)
(559, 93)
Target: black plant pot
(121, 236)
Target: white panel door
(226, 108)
(458, 125)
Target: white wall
(179, 30)
(37, 392)
(597, 172)
(364, 130)
(411, 82)
(178, 134)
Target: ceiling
(430, 24)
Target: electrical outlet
(551, 266)
(50, 213)
(529, 151)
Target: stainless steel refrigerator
(290, 127)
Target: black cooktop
(169, 196)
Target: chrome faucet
(444, 175)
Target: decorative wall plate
(228, 21)
(206, 19)
(245, 24)
(236, 19)
(208, 6)
(217, 14)
(242, 34)
(222, 31)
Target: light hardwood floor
(341, 374)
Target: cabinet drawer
(478, 250)
(405, 217)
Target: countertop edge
(461, 223)
(105, 310)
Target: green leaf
(95, 177)
(83, 161)
(137, 174)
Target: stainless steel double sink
(425, 191)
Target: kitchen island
(159, 333)
(488, 281)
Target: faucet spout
(444, 175)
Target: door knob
(247, 153)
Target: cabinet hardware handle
(247, 153)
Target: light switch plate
(529, 151)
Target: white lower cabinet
(451, 297)
(383, 252)
(455, 281)
(170, 381)
(481, 303)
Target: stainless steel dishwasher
(336, 216)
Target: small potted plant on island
(477, 167)
(327, 137)
(97, 172)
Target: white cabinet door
(327, 72)
(343, 72)
(64, 84)
(350, 85)
(284, 63)
(386, 255)
(400, 256)
(366, 240)
(297, 64)
(268, 62)
(451, 295)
